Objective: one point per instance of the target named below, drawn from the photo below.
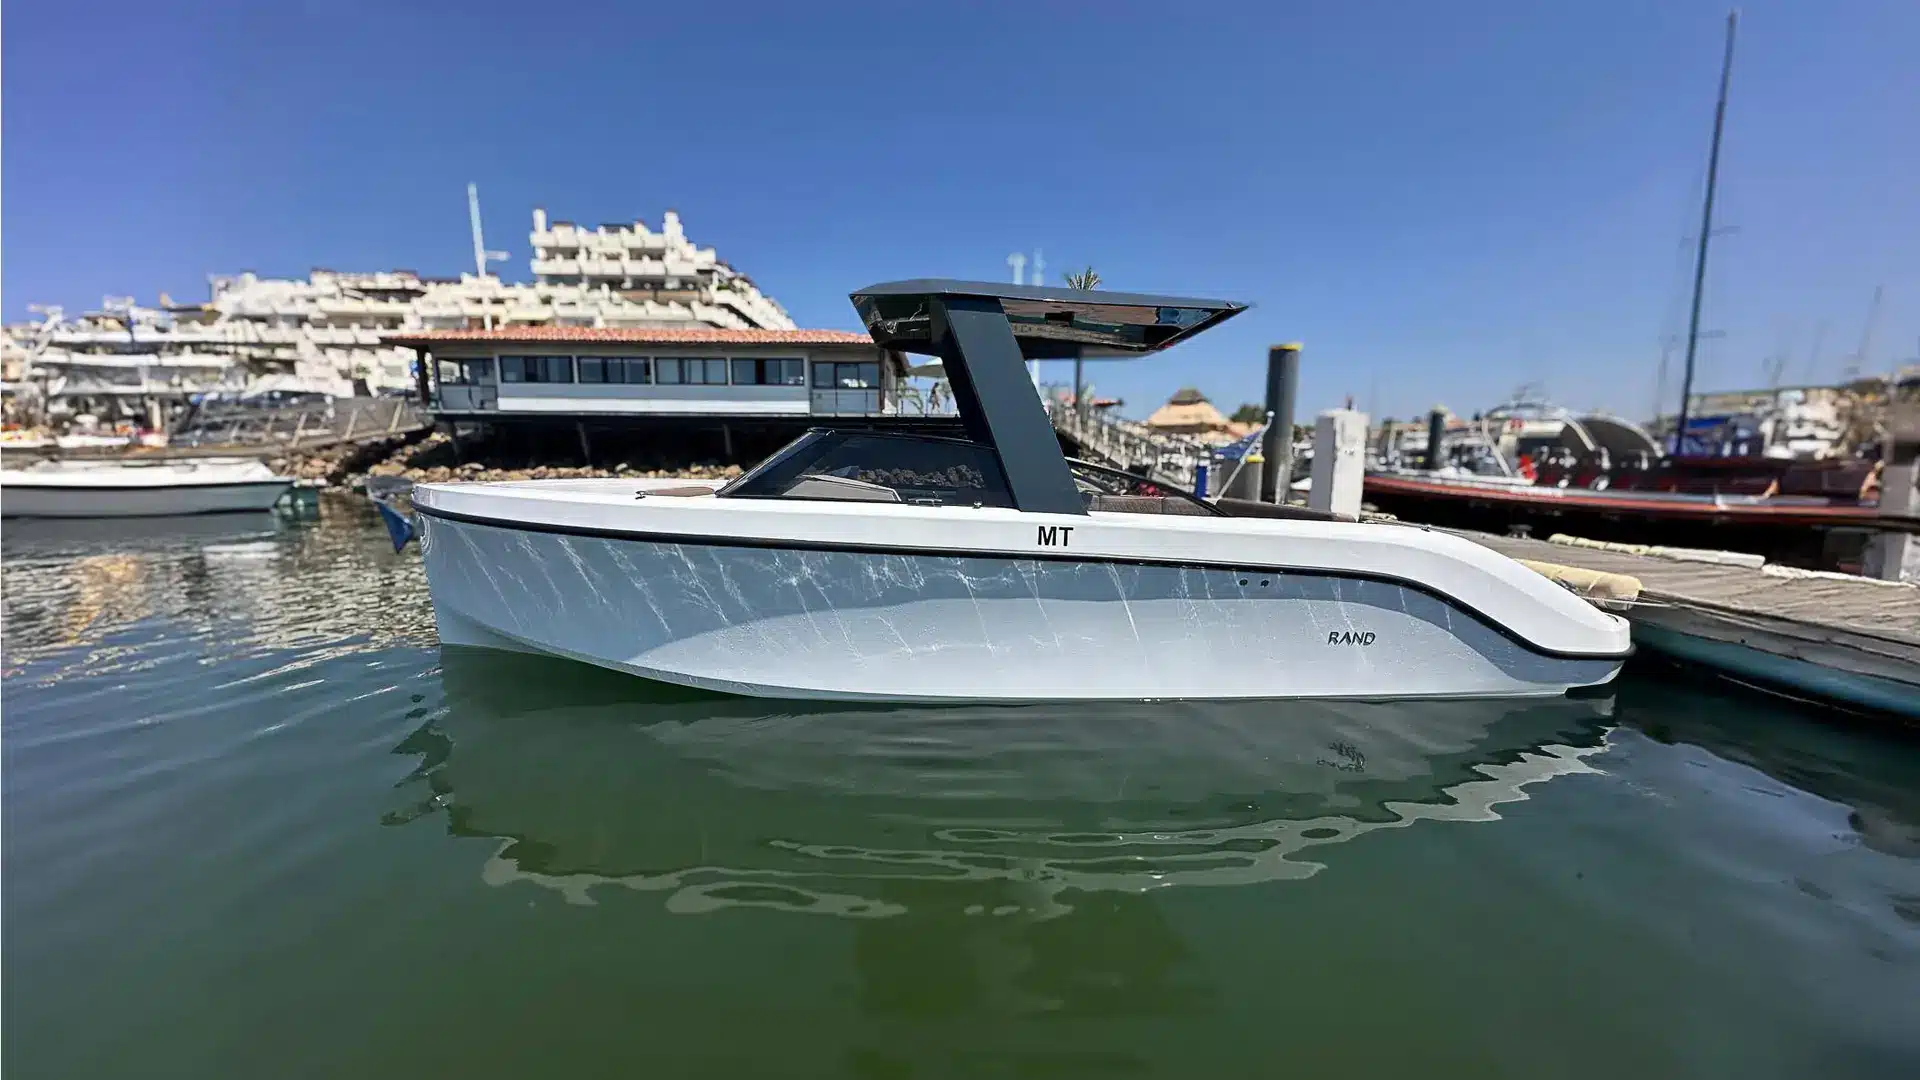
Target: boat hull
(102, 501)
(861, 624)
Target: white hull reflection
(67, 536)
(852, 625)
(592, 782)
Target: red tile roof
(583, 335)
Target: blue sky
(1442, 201)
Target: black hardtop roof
(1048, 323)
(1004, 291)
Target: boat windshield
(930, 470)
(866, 466)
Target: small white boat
(96, 489)
(868, 566)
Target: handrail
(338, 420)
(1129, 444)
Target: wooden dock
(1849, 641)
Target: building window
(864, 375)
(615, 369)
(690, 371)
(769, 372)
(466, 372)
(536, 369)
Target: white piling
(1895, 556)
(1339, 461)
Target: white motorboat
(863, 565)
(97, 489)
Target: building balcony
(613, 243)
(355, 305)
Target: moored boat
(95, 489)
(857, 565)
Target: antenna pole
(1859, 365)
(1033, 366)
(479, 241)
(1706, 232)
(1813, 355)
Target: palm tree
(1084, 279)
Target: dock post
(420, 384)
(1339, 461)
(1243, 481)
(1276, 445)
(1436, 438)
(1891, 555)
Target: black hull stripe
(697, 540)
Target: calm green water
(258, 825)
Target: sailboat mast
(1706, 233)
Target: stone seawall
(433, 458)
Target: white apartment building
(325, 332)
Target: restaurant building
(667, 378)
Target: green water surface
(258, 824)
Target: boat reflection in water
(83, 597)
(58, 537)
(592, 779)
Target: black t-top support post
(997, 403)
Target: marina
(1320, 617)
